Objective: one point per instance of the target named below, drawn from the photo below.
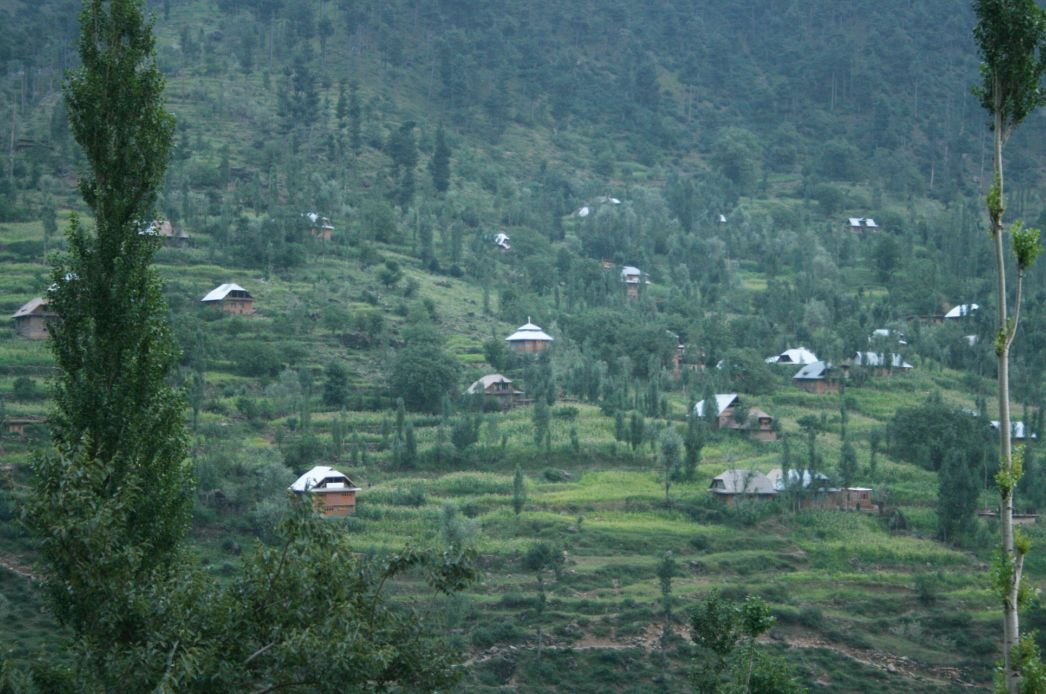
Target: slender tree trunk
(1004, 337)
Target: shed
(529, 338)
(230, 298)
(32, 319)
(334, 494)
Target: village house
(501, 241)
(333, 493)
(32, 319)
(230, 298)
(529, 338)
(497, 387)
(167, 233)
(18, 425)
(632, 277)
(816, 378)
(818, 494)
(731, 484)
(797, 355)
(758, 424)
(319, 227)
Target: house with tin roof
(795, 355)
(496, 387)
(730, 485)
(333, 493)
(529, 338)
(230, 298)
(32, 319)
(817, 377)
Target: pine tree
(439, 165)
(112, 501)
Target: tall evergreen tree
(439, 165)
(1011, 38)
(112, 501)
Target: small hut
(32, 319)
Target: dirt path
(894, 664)
(12, 564)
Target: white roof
(799, 355)
(222, 291)
(722, 401)
(529, 331)
(855, 221)
(583, 212)
(722, 219)
(741, 482)
(870, 223)
(962, 310)
(879, 359)
(323, 478)
(483, 383)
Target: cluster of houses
(32, 319)
(813, 490)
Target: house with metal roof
(496, 387)
(333, 493)
(816, 378)
(529, 338)
(1018, 432)
(230, 298)
(632, 278)
(731, 484)
(757, 422)
(32, 319)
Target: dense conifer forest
(674, 192)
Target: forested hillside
(483, 165)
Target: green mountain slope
(594, 136)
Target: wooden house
(817, 493)
(497, 387)
(171, 237)
(757, 424)
(632, 277)
(230, 298)
(32, 319)
(529, 338)
(333, 493)
(319, 227)
(730, 485)
(817, 378)
(18, 425)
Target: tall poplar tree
(1011, 38)
(113, 499)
